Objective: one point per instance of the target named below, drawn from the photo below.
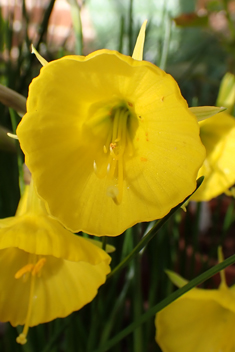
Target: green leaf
(144, 241)
(165, 302)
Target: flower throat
(118, 146)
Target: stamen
(38, 266)
(26, 269)
(33, 268)
(118, 145)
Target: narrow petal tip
(139, 45)
(38, 56)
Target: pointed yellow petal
(139, 46)
(204, 112)
(39, 57)
(176, 279)
(12, 135)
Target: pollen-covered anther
(118, 147)
(38, 266)
(31, 268)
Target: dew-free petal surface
(63, 135)
(218, 136)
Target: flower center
(121, 124)
(31, 269)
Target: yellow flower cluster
(110, 142)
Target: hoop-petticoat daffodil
(109, 140)
(218, 136)
(199, 321)
(48, 271)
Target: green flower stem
(42, 30)
(121, 36)
(130, 29)
(144, 241)
(104, 242)
(165, 302)
(77, 26)
(137, 301)
(195, 237)
(166, 43)
(57, 334)
(230, 20)
(117, 308)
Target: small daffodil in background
(226, 96)
(109, 140)
(199, 321)
(48, 271)
(218, 136)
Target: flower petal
(218, 136)
(139, 45)
(63, 287)
(195, 325)
(43, 235)
(62, 141)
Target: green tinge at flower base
(109, 140)
(218, 136)
(39, 257)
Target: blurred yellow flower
(199, 321)
(109, 140)
(48, 271)
(218, 136)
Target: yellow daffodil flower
(218, 136)
(109, 140)
(199, 321)
(48, 271)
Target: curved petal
(63, 287)
(218, 136)
(195, 325)
(63, 134)
(43, 235)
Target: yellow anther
(38, 266)
(26, 269)
(118, 146)
(31, 268)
